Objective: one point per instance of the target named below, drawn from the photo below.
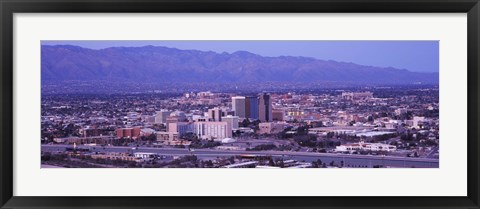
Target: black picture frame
(10, 7)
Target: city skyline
(160, 107)
(290, 136)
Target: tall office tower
(231, 120)
(251, 107)
(161, 116)
(238, 105)
(265, 108)
(216, 114)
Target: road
(348, 160)
(432, 153)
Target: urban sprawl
(371, 127)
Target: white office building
(231, 120)
(212, 130)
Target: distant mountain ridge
(162, 64)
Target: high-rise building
(238, 105)
(231, 120)
(251, 107)
(212, 130)
(161, 116)
(216, 114)
(265, 108)
(204, 130)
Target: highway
(348, 160)
(433, 152)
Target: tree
(263, 147)
(302, 130)
(271, 163)
(319, 162)
(152, 137)
(407, 136)
(280, 163)
(245, 123)
(190, 136)
(46, 156)
(231, 160)
(330, 135)
(370, 118)
(306, 140)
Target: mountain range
(162, 64)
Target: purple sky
(417, 56)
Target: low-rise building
(144, 155)
(133, 132)
(85, 140)
(167, 136)
(146, 132)
(114, 156)
(225, 147)
(361, 146)
(181, 127)
(357, 96)
(418, 121)
(271, 127)
(278, 115)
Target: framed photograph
(239, 104)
